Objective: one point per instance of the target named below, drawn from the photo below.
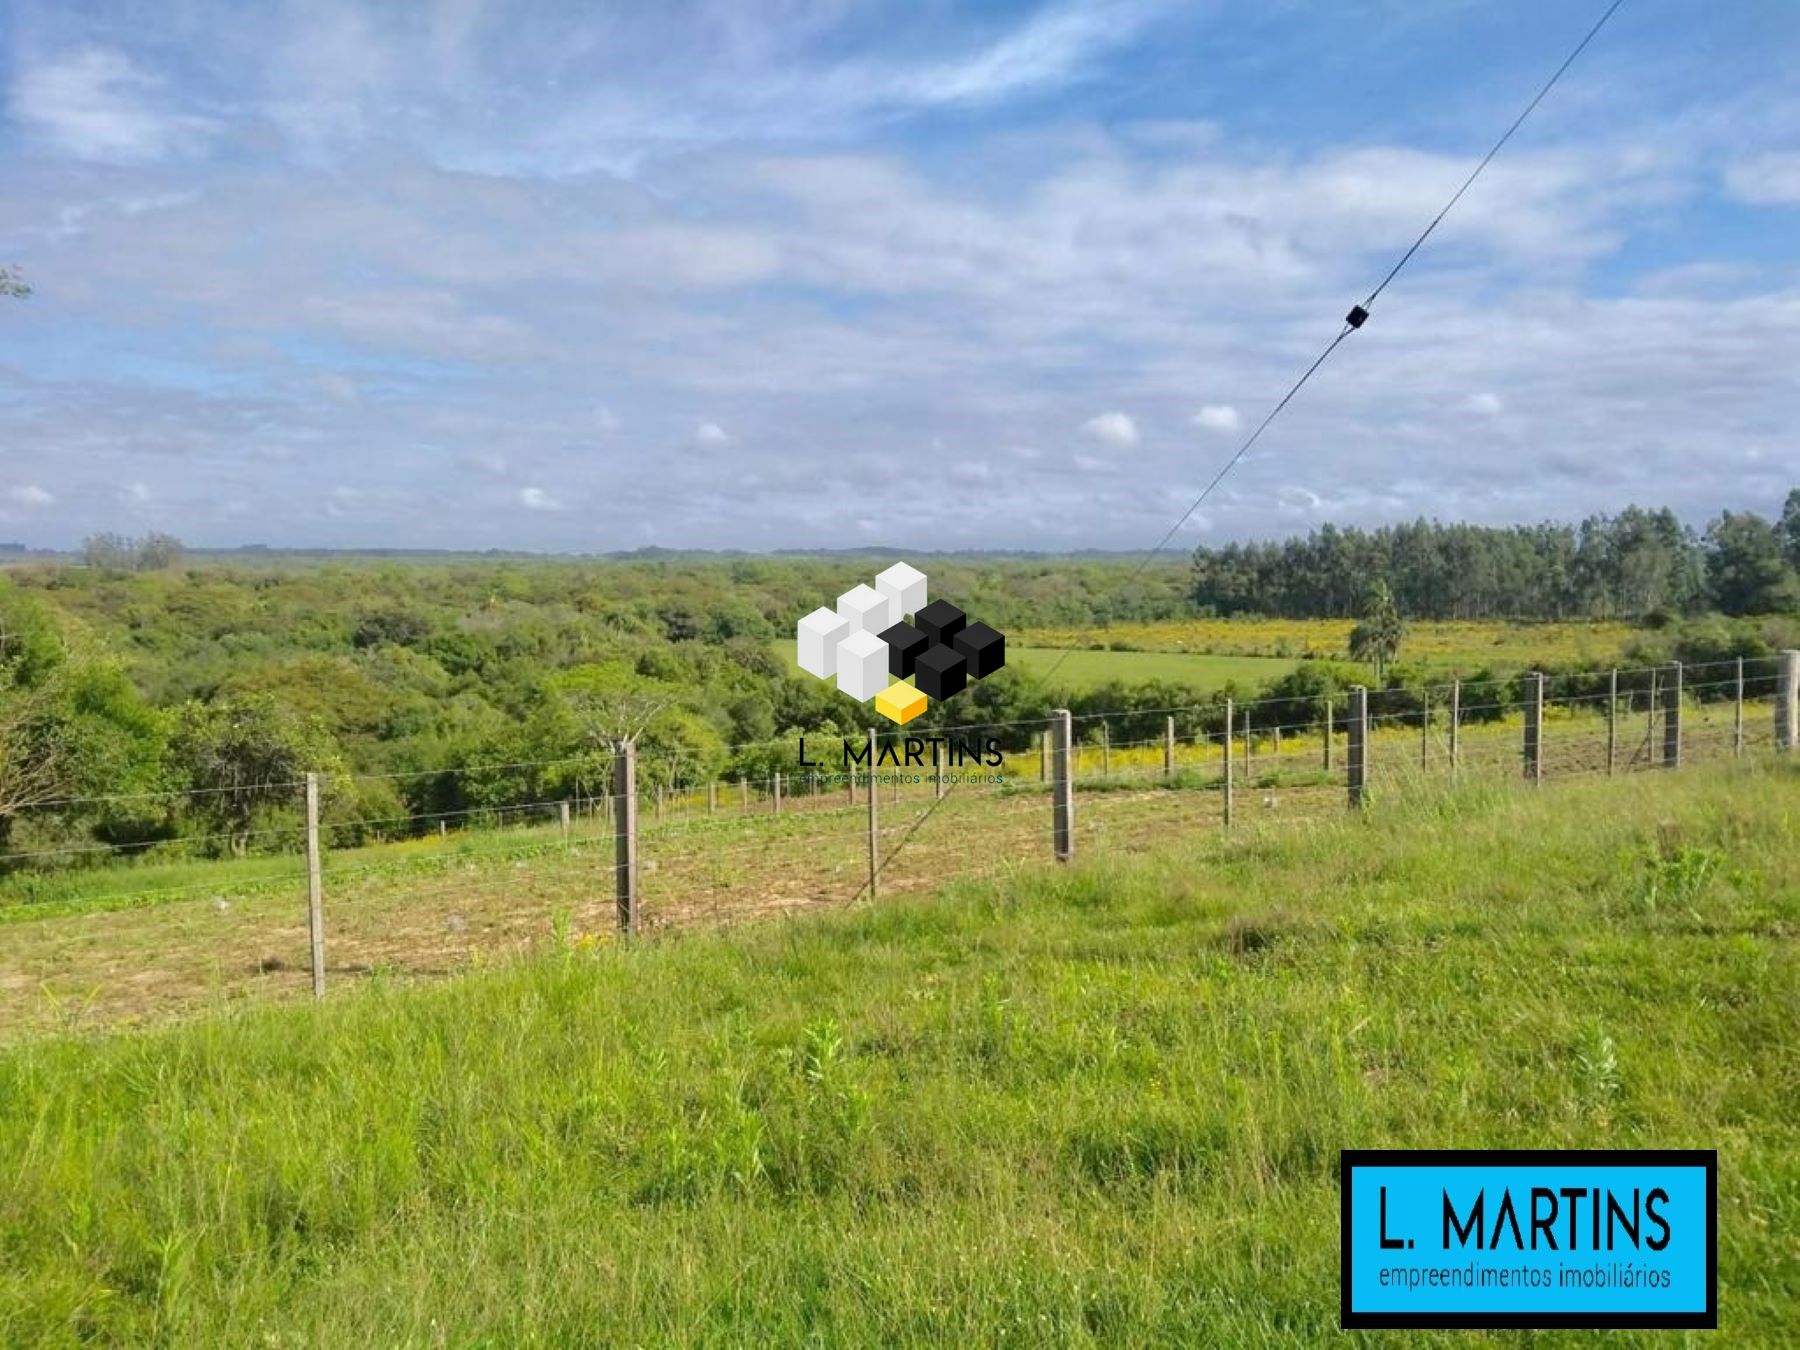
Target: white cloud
(94, 103)
(710, 435)
(1114, 429)
(135, 494)
(1484, 404)
(1219, 417)
(536, 499)
(30, 494)
(1771, 179)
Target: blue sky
(792, 274)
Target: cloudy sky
(828, 272)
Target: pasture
(1442, 647)
(1202, 672)
(1056, 1106)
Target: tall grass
(1100, 1105)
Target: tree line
(1629, 565)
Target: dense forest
(148, 699)
(1625, 566)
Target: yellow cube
(900, 703)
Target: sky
(828, 273)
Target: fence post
(874, 819)
(1787, 701)
(850, 788)
(776, 794)
(743, 794)
(1228, 793)
(712, 797)
(659, 803)
(1105, 750)
(1358, 776)
(1455, 725)
(564, 813)
(625, 868)
(1043, 741)
(1612, 721)
(1672, 718)
(1737, 712)
(1062, 787)
(1169, 747)
(1327, 734)
(938, 764)
(315, 887)
(1424, 728)
(1534, 727)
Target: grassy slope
(1097, 1106)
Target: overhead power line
(1355, 319)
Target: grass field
(1081, 669)
(140, 942)
(1444, 646)
(1100, 1105)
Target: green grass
(1093, 1106)
(1080, 669)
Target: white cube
(867, 610)
(903, 584)
(817, 639)
(862, 665)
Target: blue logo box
(1529, 1238)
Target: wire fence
(92, 932)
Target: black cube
(940, 672)
(982, 648)
(904, 645)
(940, 621)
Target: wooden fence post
(1358, 776)
(315, 888)
(1105, 750)
(1328, 734)
(1534, 727)
(874, 820)
(1169, 747)
(1737, 711)
(1612, 721)
(625, 866)
(1671, 757)
(775, 794)
(1425, 729)
(1787, 701)
(563, 811)
(1455, 725)
(1043, 741)
(850, 786)
(712, 797)
(938, 764)
(1062, 786)
(1227, 787)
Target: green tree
(1789, 529)
(1376, 639)
(12, 284)
(1745, 567)
(243, 759)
